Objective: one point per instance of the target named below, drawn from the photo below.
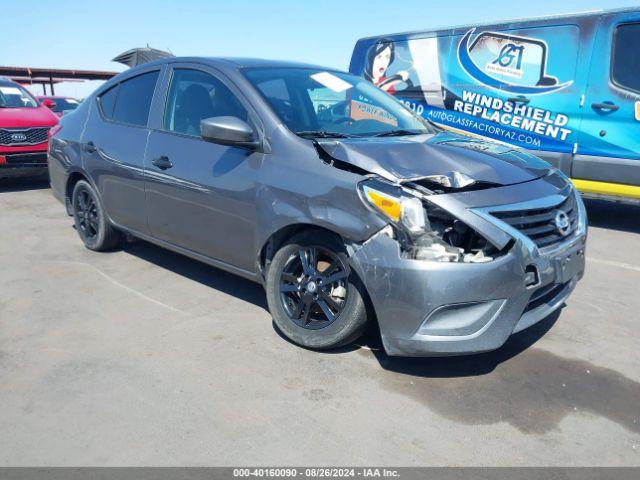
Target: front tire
(315, 299)
(90, 221)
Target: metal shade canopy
(138, 56)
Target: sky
(87, 34)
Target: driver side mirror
(47, 102)
(228, 131)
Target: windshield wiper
(399, 133)
(322, 134)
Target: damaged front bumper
(427, 308)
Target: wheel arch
(74, 177)
(286, 233)
(282, 236)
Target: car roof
(223, 63)
(229, 62)
(265, 63)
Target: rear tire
(90, 221)
(315, 299)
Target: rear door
(609, 146)
(201, 195)
(113, 147)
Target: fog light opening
(531, 277)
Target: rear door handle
(612, 107)
(90, 147)
(519, 99)
(162, 162)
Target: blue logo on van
(520, 63)
(509, 53)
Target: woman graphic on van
(379, 57)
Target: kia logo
(563, 224)
(18, 137)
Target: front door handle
(612, 107)
(90, 147)
(162, 162)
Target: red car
(24, 131)
(59, 105)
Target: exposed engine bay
(424, 231)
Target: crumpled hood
(412, 157)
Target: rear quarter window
(107, 101)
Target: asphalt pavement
(144, 357)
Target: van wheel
(314, 297)
(90, 221)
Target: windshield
(14, 96)
(318, 103)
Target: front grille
(29, 136)
(540, 224)
(26, 158)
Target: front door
(609, 146)
(201, 195)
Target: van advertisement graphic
(497, 85)
(507, 62)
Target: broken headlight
(424, 231)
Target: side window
(626, 61)
(108, 101)
(134, 99)
(195, 95)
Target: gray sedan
(344, 204)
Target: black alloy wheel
(90, 221)
(86, 214)
(314, 287)
(314, 295)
